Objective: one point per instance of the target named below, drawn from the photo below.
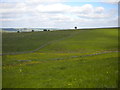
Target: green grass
(19, 42)
(88, 72)
(85, 41)
(62, 63)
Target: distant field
(69, 59)
(18, 42)
(85, 41)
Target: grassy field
(19, 42)
(72, 59)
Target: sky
(62, 14)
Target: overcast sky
(58, 13)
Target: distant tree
(18, 31)
(32, 30)
(75, 27)
(44, 29)
(48, 30)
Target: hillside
(61, 59)
(61, 40)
